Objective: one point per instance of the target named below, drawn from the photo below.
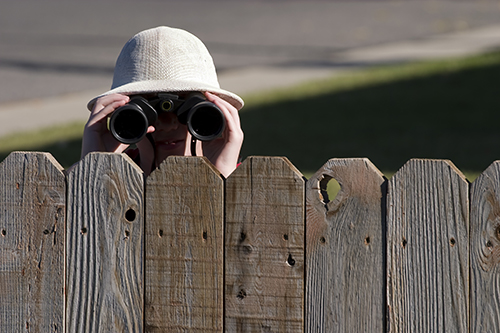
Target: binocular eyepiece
(205, 121)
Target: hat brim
(147, 87)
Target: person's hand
(224, 152)
(96, 136)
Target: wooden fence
(103, 249)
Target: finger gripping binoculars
(205, 120)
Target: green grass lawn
(63, 142)
(447, 109)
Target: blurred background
(387, 80)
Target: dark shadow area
(452, 116)
(65, 152)
(35, 66)
(292, 51)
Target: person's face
(170, 136)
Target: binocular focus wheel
(167, 105)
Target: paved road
(55, 55)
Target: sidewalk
(39, 113)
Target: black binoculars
(205, 121)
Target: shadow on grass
(66, 152)
(452, 116)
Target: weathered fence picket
(104, 253)
(345, 249)
(32, 209)
(101, 248)
(265, 247)
(485, 251)
(185, 247)
(428, 248)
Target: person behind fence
(165, 100)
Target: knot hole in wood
(130, 215)
(329, 187)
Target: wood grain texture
(428, 248)
(105, 245)
(184, 252)
(345, 249)
(264, 288)
(32, 220)
(485, 251)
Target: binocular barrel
(204, 120)
(129, 123)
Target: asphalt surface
(57, 55)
